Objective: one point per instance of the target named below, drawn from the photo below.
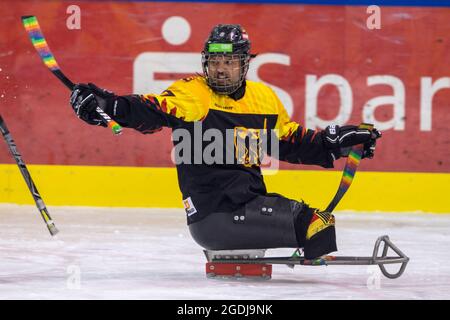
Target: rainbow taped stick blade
(37, 38)
(34, 32)
(354, 158)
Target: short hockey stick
(26, 175)
(37, 39)
(353, 160)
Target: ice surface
(112, 253)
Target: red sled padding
(236, 270)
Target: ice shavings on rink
(115, 253)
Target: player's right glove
(85, 98)
(340, 140)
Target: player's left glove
(340, 140)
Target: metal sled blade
(212, 255)
(237, 270)
(325, 260)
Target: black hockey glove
(340, 140)
(85, 98)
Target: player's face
(224, 69)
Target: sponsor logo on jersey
(223, 107)
(189, 207)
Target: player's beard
(225, 82)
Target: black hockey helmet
(226, 40)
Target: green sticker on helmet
(220, 47)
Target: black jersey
(194, 111)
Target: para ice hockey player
(227, 204)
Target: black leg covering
(321, 243)
(263, 223)
(302, 221)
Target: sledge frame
(257, 257)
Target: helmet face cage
(225, 58)
(234, 75)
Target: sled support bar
(375, 259)
(381, 261)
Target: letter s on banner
(313, 87)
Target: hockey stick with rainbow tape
(37, 39)
(26, 175)
(353, 160)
